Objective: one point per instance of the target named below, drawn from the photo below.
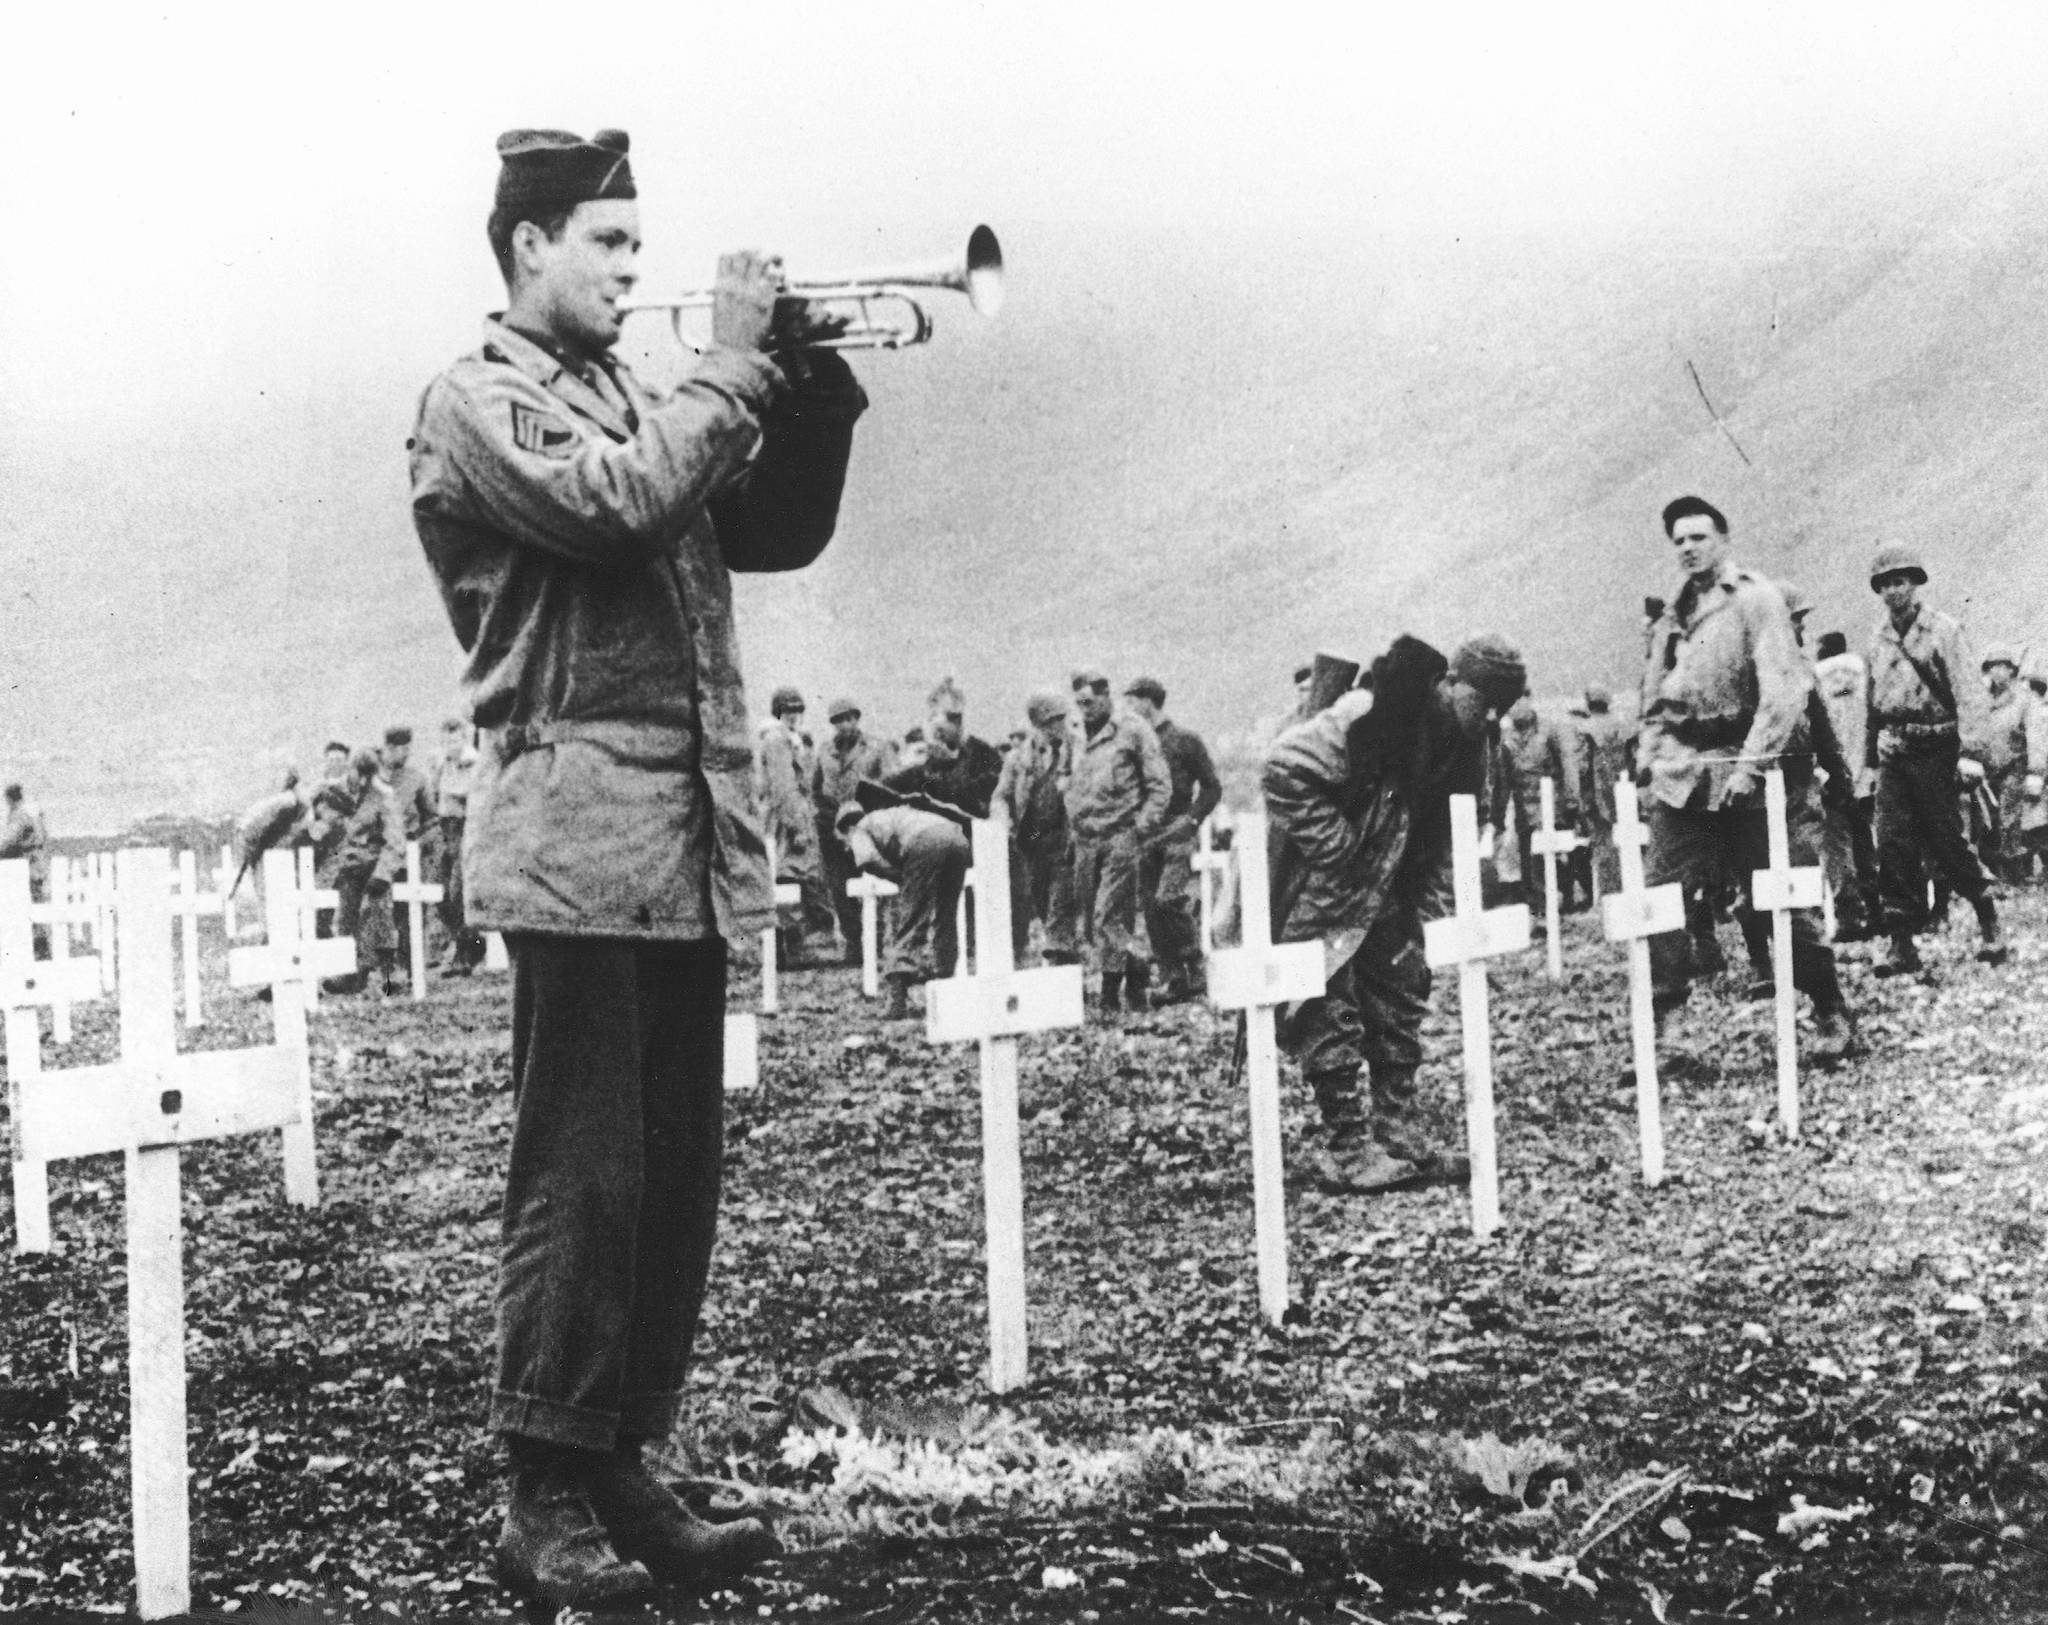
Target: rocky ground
(1800, 1381)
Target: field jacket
(1118, 780)
(1907, 716)
(581, 525)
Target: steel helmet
(1895, 558)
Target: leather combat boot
(554, 1550)
(1137, 977)
(1834, 1036)
(345, 986)
(898, 1007)
(387, 969)
(1903, 958)
(1355, 1164)
(1994, 951)
(1398, 1129)
(1177, 988)
(652, 1529)
(1112, 992)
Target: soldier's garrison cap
(544, 170)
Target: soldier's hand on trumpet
(744, 299)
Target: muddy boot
(1137, 978)
(342, 987)
(387, 971)
(1355, 1164)
(1903, 959)
(1994, 951)
(1112, 992)
(898, 1007)
(553, 1550)
(1398, 1129)
(1834, 1035)
(649, 1526)
(1178, 987)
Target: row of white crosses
(146, 1105)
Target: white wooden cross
(146, 1105)
(870, 889)
(312, 898)
(992, 1008)
(225, 881)
(1254, 977)
(787, 893)
(188, 903)
(98, 878)
(1781, 889)
(1633, 915)
(25, 984)
(1210, 866)
(414, 894)
(1467, 939)
(1552, 845)
(68, 915)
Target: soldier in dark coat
(1359, 796)
(369, 854)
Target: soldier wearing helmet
(2005, 758)
(786, 766)
(1929, 726)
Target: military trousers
(1370, 1012)
(1042, 889)
(364, 914)
(1707, 847)
(1166, 874)
(611, 1194)
(1920, 829)
(840, 868)
(814, 927)
(924, 939)
(1106, 896)
(466, 945)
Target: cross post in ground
(787, 894)
(968, 891)
(991, 1008)
(1553, 845)
(188, 903)
(1633, 915)
(26, 984)
(224, 880)
(1255, 977)
(414, 894)
(1780, 889)
(1467, 939)
(870, 889)
(68, 915)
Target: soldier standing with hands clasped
(581, 525)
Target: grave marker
(991, 1008)
(312, 898)
(1633, 915)
(870, 889)
(414, 894)
(1552, 845)
(786, 894)
(495, 956)
(1467, 939)
(1781, 889)
(742, 1051)
(1254, 978)
(188, 903)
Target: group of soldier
(1102, 802)
(368, 810)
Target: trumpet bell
(984, 268)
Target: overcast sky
(187, 188)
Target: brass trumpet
(978, 273)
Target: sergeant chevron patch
(538, 432)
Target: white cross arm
(50, 981)
(1241, 978)
(1558, 842)
(421, 891)
(85, 1111)
(1460, 939)
(787, 892)
(963, 1009)
(871, 886)
(1648, 913)
(270, 965)
(1772, 889)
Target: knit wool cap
(1486, 659)
(1044, 708)
(543, 170)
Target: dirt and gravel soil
(1800, 1381)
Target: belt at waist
(1915, 728)
(1708, 733)
(634, 738)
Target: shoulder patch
(542, 432)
